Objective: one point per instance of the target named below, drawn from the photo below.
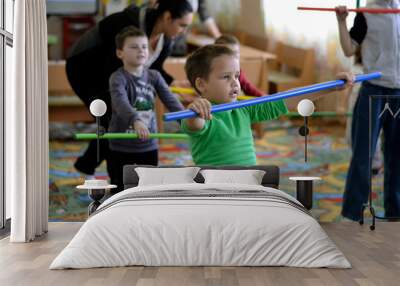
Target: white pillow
(166, 176)
(248, 177)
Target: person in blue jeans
(357, 183)
(378, 38)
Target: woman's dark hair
(177, 8)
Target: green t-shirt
(227, 139)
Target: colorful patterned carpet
(281, 145)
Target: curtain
(27, 124)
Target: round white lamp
(305, 108)
(98, 108)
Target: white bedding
(183, 231)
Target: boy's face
(134, 52)
(222, 84)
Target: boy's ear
(200, 85)
(118, 52)
(167, 17)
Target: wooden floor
(374, 255)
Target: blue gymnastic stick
(274, 97)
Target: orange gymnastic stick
(358, 10)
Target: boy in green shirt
(223, 138)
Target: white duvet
(188, 231)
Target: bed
(201, 224)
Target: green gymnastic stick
(88, 136)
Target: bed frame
(270, 179)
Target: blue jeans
(357, 183)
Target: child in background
(224, 138)
(133, 90)
(234, 44)
(378, 37)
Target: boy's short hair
(198, 64)
(130, 31)
(227, 40)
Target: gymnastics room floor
(281, 145)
